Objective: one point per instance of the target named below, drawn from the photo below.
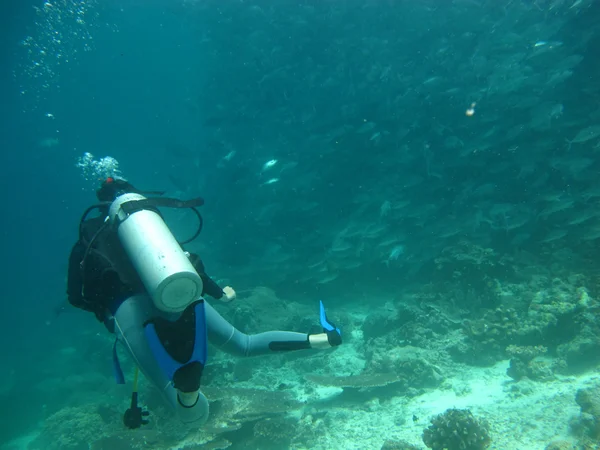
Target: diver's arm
(210, 287)
(226, 337)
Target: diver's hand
(325, 340)
(228, 294)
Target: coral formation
(559, 317)
(587, 425)
(69, 427)
(523, 363)
(488, 336)
(355, 381)
(474, 269)
(457, 429)
(403, 368)
(273, 432)
(380, 323)
(95, 428)
(561, 445)
(398, 445)
(260, 413)
(409, 364)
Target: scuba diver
(128, 269)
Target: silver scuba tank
(168, 275)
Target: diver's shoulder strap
(131, 206)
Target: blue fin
(325, 323)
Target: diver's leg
(129, 327)
(228, 338)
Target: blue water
(398, 131)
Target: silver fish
(585, 135)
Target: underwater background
(429, 169)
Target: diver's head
(112, 188)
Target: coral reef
(583, 350)
(421, 324)
(243, 405)
(310, 428)
(554, 318)
(488, 336)
(260, 414)
(398, 445)
(587, 425)
(457, 429)
(272, 432)
(84, 427)
(68, 428)
(405, 369)
(362, 381)
(559, 317)
(409, 364)
(561, 445)
(523, 363)
(218, 444)
(474, 269)
(382, 322)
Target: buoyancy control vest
(109, 269)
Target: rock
(581, 353)
(561, 445)
(398, 445)
(589, 400)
